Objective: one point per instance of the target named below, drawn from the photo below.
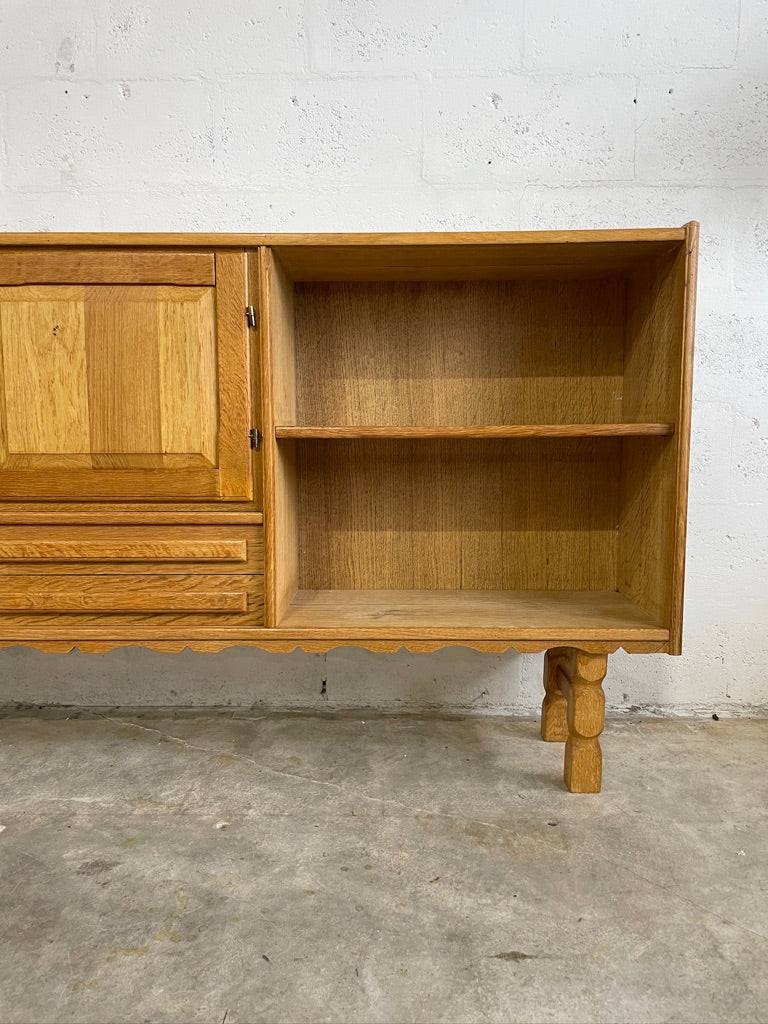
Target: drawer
(96, 550)
(129, 599)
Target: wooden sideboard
(403, 440)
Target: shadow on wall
(452, 679)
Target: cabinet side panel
(280, 506)
(653, 340)
(646, 524)
(654, 478)
(684, 438)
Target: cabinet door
(124, 376)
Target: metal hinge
(255, 437)
(251, 317)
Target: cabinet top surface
(637, 235)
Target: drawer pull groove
(159, 602)
(93, 551)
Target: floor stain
(96, 867)
(514, 956)
(134, 951)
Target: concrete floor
(167, 867)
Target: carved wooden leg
(573, 681)
(586, 718)
(554, 709)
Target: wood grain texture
(105, 266)
(599, 615)
(234, 410)
(379, 344)
(458, 514)
(278, 388)
(136, 513)
(420, 258)
(253, 298)
(56, 601)
(44, 375)
(471, 353)
(116, 639)
(554, 707)
(128, 549)
(518, 430)
(189, 240)
(657, 382)
(144, 484)
(683, 445)
(579, 676)
(126, 391)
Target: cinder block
(707, 126)
(49, 211)
(750, 248)
(522, 129)
(158, 38)
(712, 429)
(728, 554)
(451, 679)
(731, 352)
(636, 206)
(401, 36)
(78, 134)
(41, 39)
(750, 451)
(273, 132)
(347, 209)
(753, 37)
(656, 35)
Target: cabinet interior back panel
(468, 514)
(460, 352)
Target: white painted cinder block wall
(325, 115)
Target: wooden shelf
(511, 430)
(570, 615)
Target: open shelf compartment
(483, 435)
(581, 342)
(495, 532)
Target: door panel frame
(232, 478)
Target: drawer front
(129, 550)
(131, 599)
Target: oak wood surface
(472, 353)
(129, 549)
(98, 641)
(234, 399)
(111, 601)
(154, 239)
(683, 446)
(389, 363)
(474, 514)
(579, 676)
(136, 513)
(278, 384)
(105, 266)
(525, 613)
(657, 382)
(253, 298)
(126, 391)
(516, 430)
